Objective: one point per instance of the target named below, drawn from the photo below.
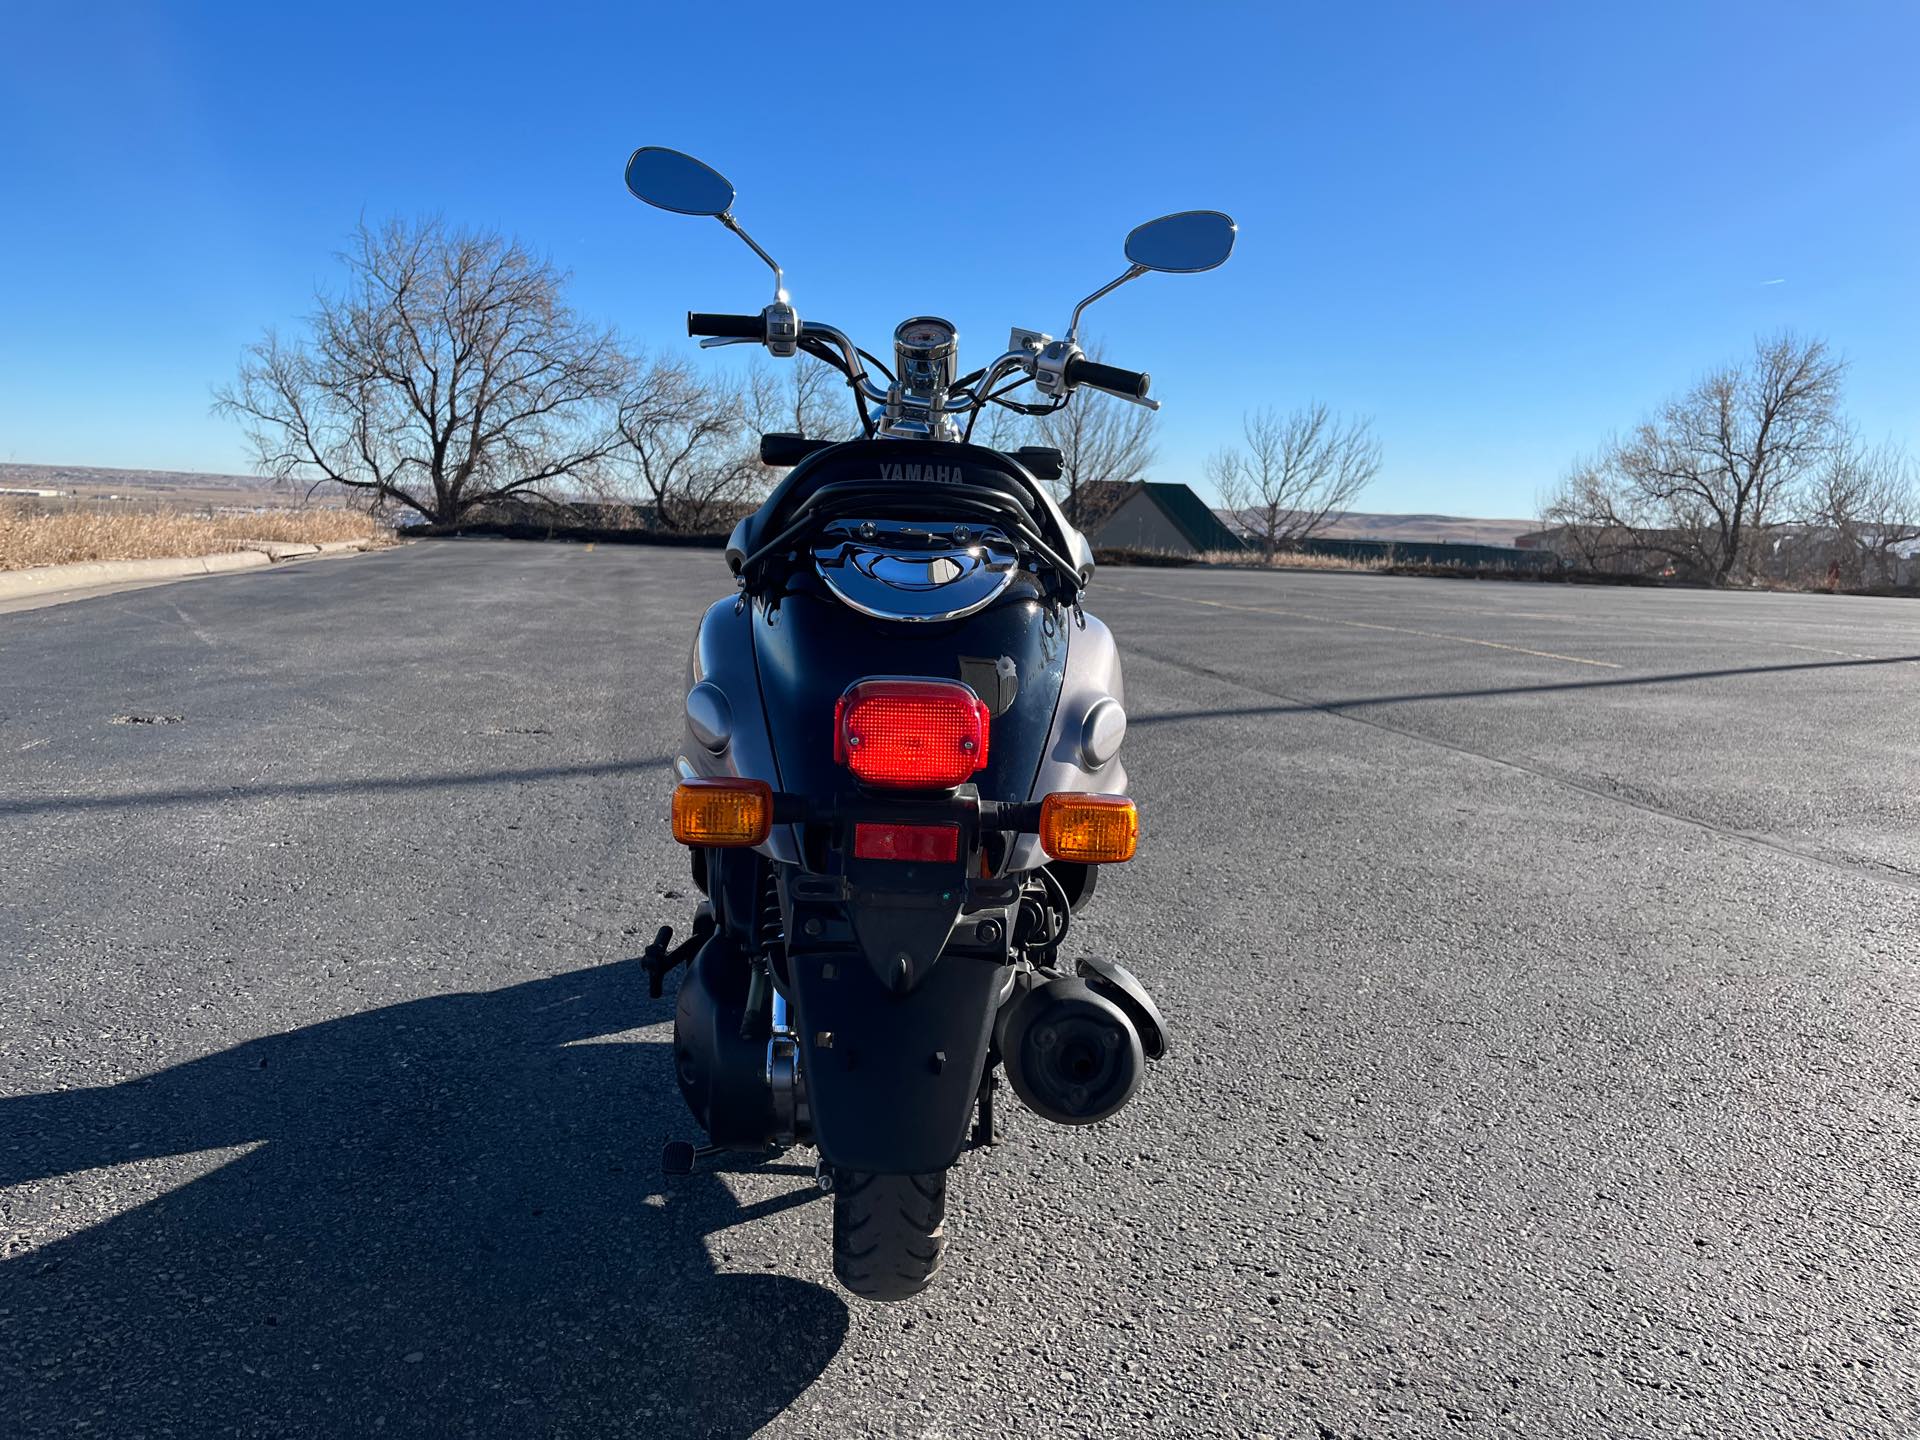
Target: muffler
(1072, 1055)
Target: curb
(44, 579)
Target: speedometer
(925, 333)
(925, 347)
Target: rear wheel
(889, 1232)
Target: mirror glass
(677, 182)
(1181, 244)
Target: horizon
(1502, 236)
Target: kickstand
(657, 960)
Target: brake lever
(713, 342)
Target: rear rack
(890, 500)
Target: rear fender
(891, 1078)
(894, 983)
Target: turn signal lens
(722, 812)
(911, 734)
(1092, 829)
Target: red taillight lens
(906, 842)
(911, 734)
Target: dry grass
(1293, 561)
(28, 537)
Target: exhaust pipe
(1072, 1055)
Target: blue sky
(1501, 230)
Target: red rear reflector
(906, 842)
(911, 734)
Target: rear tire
(889, 1232)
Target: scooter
(902, 775)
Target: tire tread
(889, 1233)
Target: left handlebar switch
(783, 329)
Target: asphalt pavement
(1541, 964)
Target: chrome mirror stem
(779, 279)
(1134, 272)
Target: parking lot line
(1374, 625)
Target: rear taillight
(911, 734)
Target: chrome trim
(849, 352)
(779, 278)
(896, 573)
(1134, 272)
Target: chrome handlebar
(1042, 359)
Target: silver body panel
(1093, 674)
(722, 657)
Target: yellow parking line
(1370, 625)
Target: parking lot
(1540, 962)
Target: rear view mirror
(669, 180)
(1183, 244)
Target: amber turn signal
(1091, 829)
(722, 812)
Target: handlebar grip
(732, 327)
(1132, 383)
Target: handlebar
(731, 327)
(1079, 370)
(1128, 384)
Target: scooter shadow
(442, 1217)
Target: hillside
(174, 486)
(1357, 525)
(1463, 529)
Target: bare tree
(1105, 444)
(447, 373)
(1738, 454)
(999, 428)
(800, 397)
(1295, 473)
(1869, 499)
(689, 456)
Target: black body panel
(891, 1079)
(721, 1072)
(810, 648)
(907, 1009)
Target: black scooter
(902, 776)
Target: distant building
(33, 494)
(1153, 515)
